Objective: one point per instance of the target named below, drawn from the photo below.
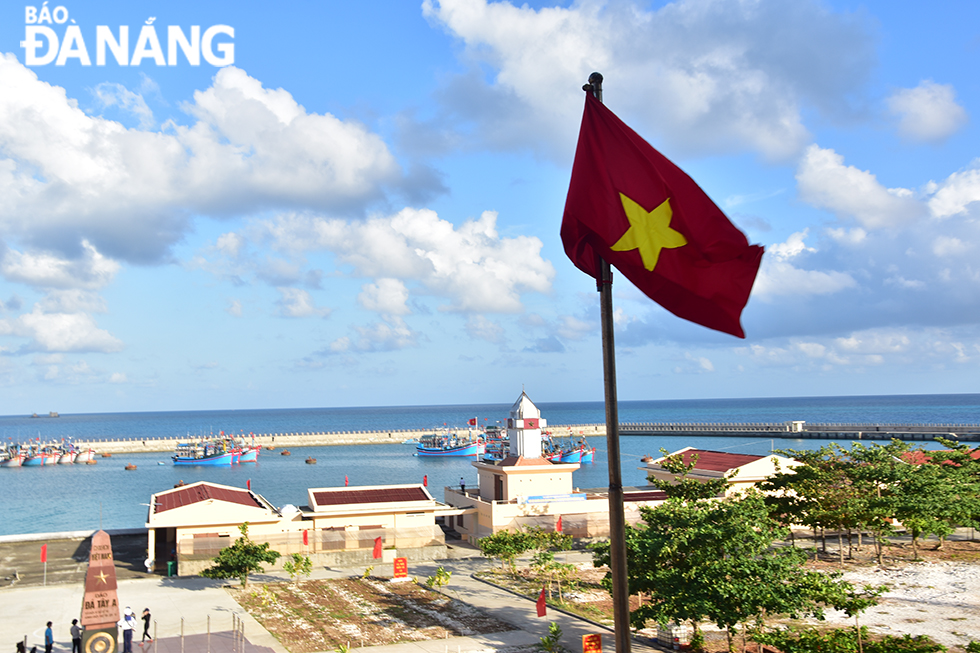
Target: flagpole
(617, 515)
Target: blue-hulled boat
(206, 452)
(450, 444)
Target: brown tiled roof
(651, 495)
(518, 461)
(196, 493)
(371, 495)
(718, 461)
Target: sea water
(106, 495)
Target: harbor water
(106, 495)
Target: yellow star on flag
(649, 231)
(101, 576)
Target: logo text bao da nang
(44, 45)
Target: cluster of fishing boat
(220, 450)
(492, 444)
(38, 454)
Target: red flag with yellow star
(628, 204)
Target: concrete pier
(784, 430)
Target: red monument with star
(100, 606)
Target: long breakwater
(783, 430)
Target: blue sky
(361, 206)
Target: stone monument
(100, 606)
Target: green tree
(298, 565)
(509, 545)
(242, 558)
(844, 640)
(715, 560)
(506, 546)
(546, 566)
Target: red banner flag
(472, 421)
(542, 606)
(306, 538)
(44, 553)
(377, 547)
(345, 480)
(558, 525)
(628, 204)
(248, 484)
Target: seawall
(793, 430)
(289, 440)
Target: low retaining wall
(342, 559)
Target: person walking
(462, 485)
(128, 623)
(76, 637)
(146, 626)
(48, 639)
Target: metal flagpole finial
(594, 86)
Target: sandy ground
(938, 599)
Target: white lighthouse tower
(524, 473)
(524, 428)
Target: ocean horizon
(105, 495)
(892, 409)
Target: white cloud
(950, 246)
(825, 182)
(480, 328)
(927, 113)
(229, 244)
(957, 194)
(295, 302)
(60, 332)
(702, 74)
(778, 276)
(470, 266)
(67, 177)
(573, 328)
(386, 296)
(90, 270)
(117, 95)
(390, 335)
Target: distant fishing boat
(205, 452)
(566, 450)
(11, 455)
(222, 450)
(85, 456)
(450, 444)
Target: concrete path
(198, 606)
(194, 604)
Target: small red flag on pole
(542, 606)
(425, 481)
(377, 547)
(44, 553)
(248, 484)
(558, 525)
(306, 538)
(345, 480)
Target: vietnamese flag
(306, 538)
(44, 553)
(558, 525)
(472, 421)
(377, 547)
(628, 204)
(542, 606)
